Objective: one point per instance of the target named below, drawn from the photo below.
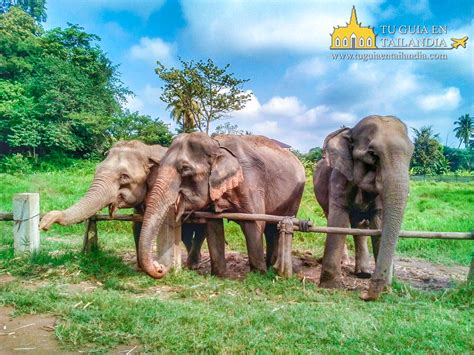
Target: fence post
(470, 276)
(168, 242)
(91, 241)
(26, 214)
(283, 262)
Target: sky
(300, 92)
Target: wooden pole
(283, 263)
(167, 242)
(200, 217)
(91, 240)
(26, 217)
(470, 276)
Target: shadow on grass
(98, 265)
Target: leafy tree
(201, 93)
(35, 8)
(315, 154)
(131, 125)
(464, 130)
(58, 90)
(428, 158)
(459, 159)
(228, 128)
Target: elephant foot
(331, 284)
(362, 274)
(193, 261)
(219, 273)
(329, 280)
(261, 269)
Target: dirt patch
(418, 273)
(6, 278)
(28, 333)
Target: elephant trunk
(395, 182)
(101, 193)
(163, 195)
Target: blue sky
(300, 93)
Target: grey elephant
(246, 174)
(362, 181)
(123, 180)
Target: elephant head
(194, 172)
(375, 155)
(120, 181)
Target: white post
(26, 216)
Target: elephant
(123, 180)
(231, 173)
(362, 181)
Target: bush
(15, 164)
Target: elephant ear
(155, 154)
(226, 174)
(338, 151)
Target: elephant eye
(185, 170)
(125, 178)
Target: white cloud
(266, 128)
(153, 49)
(289, 120)
(447, 100)
(243, 26)
(283, 106)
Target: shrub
(15, 164)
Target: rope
(304, 225)
(26, 219)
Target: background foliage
(60, 95)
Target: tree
(131, 125)
(428, 158)
(228, 128)
(459, 159)
(59, 92)
(201, 92)
(35, 8)
(464, 130)
(315, 154)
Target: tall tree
(464, 130)
(428, 158)
(201, 92)
(58, 90)
(35, 8)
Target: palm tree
(185, 112)
(464, 129)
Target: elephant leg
(362, 269)
(376, 223)
(331, 276)
(137, 228)
(194, 254)
(216, 245)
(187, 233)
(271, 237)
(345, 255)
(253, 235)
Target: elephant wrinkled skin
(123, 180)
(247, 174)
(362, 181)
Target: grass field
(189, 312)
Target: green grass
(186, 312)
